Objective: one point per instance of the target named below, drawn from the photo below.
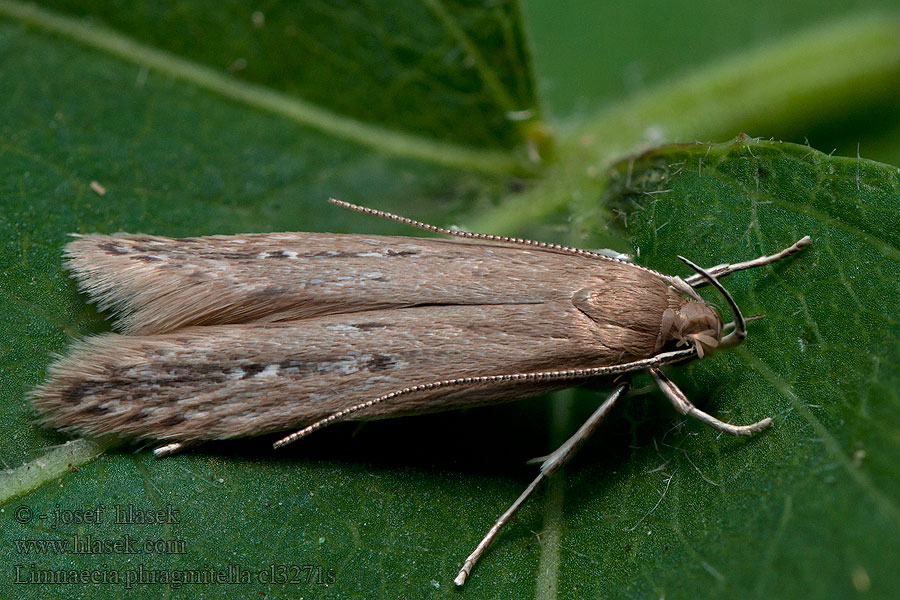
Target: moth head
(697, 322)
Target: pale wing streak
(155, 284)
(226, 381)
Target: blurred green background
(591, 53)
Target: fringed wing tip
(58, 399)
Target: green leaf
(182, 150)
(835, 75)
(809, 508)
(413, 107)
(450, 70)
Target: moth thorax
(693, 323)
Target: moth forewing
(155, 284)
(230, 336)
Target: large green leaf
(451, 70)
(810, 508)
(142, 101)
(177, 160)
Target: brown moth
(230, 336)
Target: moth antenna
(739, 334)
(469, 235)
(647, 363)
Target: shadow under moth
(241, 335)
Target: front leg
(685, 407)
(697, 281)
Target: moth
(222, 337)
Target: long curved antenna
(739, 334)
(468, 234)
(543, 376)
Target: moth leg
(170, 449)
(550, 465)
(697, 281)
(685, 407)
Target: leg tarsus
(697, 281)
(171, 448)
(550, 465)
(685, 407)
